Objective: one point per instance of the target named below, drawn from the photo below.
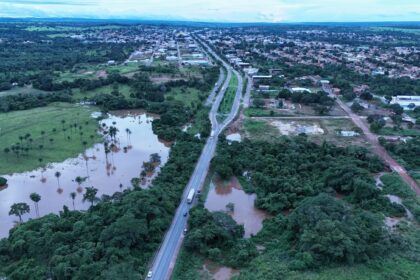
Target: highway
(216, 88)
(165, 259)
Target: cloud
(50, 2)
(218, 10)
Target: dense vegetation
(115, 239)
(327, 212)
(27, 56)
(407, 152)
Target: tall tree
(19, 209)
(90, 195)
(35, 198)
(57, 174)
(73, 197)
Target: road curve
(165, 259)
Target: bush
(3, 181)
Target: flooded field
(219, 272)
(108, 172)
(222, 193)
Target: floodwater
(108, 174)
(221, 193)
(219, 272)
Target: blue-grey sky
(220, 10)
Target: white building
(300, 89)
(406, 101)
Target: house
(300, 90)
(406, 102)
(196, 62)
(275, 71)
(261, 77)
(347, 133)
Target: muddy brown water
(219, 272)
(221, 193)
(104, 173)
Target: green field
(260, 130)
(403, 132)
(190, 97)
(33, 122)
(68, 28)
(226, 104)
(79, 95)
(21, 90)
(407, 30)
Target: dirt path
(378, 149)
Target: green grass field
(190, 97)
(69, 28)
(403, 132)
(21, 90)
(389, 268)
(226, 104)
(407, 30)
(260, 130)
(79, 95)
(20, 123)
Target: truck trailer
(190, 196)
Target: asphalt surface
(247, 96)
(216, 88)
(165, 259)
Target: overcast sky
(220, 10)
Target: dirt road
(378, 149)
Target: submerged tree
(57, 175)
(35, 198)
(73, 197)
(90, 195)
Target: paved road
(247, 96)
(166, 256)
(216, 88)
(378, 149)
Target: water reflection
(222, 193)
(109, 171)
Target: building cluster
(320, 48)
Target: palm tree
(57, 174)
(73, 197)
(79, 181)
(6, 151)
(35, 198)
(42, 134)
(19, 209)
(90, 195)
(128, 131)
(63, 122)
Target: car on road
(185, 231)
(149, 274)
(185, 214)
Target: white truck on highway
(190, 196)
(212, 134)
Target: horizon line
(199, 21)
